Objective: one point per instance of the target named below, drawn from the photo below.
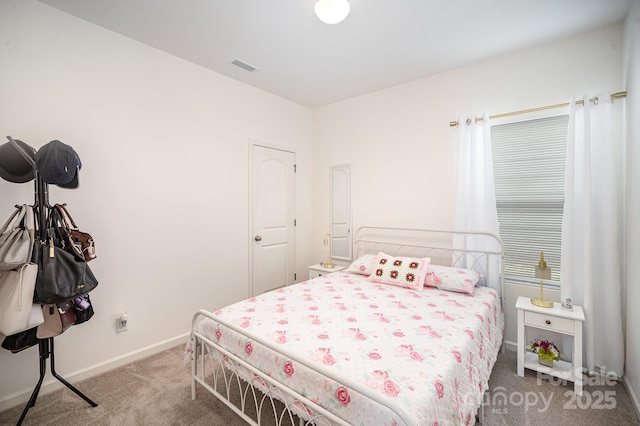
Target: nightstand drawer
(549, 322)
(315, 273)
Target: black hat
(14, 167)
(59, 164)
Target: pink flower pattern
(288, 368)
(416, 356)
(439, 388)
(379, 322)
(380, 375)
(342, 395)
(328, 359)
(391, 388)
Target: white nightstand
(557, 320)
(319, 270)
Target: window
(529, 163)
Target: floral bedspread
(431, 351)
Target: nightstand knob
(548, 322)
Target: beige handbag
(55, 321)
(17, 310)
(52, 325)
(16, 239)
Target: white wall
(164, 184)
(632, 85)
(164, 144)
(403, 150)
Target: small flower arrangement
(546, 350)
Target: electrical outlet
(121, 322)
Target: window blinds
(529, 164)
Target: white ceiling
(382, 43)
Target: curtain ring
(468, 121)
(595, 101)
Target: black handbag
(21, 341)
(63, 274)
(84, 309)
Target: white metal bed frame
(221, 375)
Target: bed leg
(480, 416)
(194, 359)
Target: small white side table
(557, 320)
(318, 270)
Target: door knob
(258, 238)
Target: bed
(352, 348)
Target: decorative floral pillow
(363, 265)
(407, 272)
(451, 279)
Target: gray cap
(14, 167)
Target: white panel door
(273, 219)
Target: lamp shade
(332, 11)
(543, 273)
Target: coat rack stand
(45, 345)
(46, 351)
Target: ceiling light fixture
(332, 11)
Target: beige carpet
(156, 391)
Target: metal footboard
(252, 395)
(226, 370)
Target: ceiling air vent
(244, 65)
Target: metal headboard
(480, 251)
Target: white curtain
(476, 195)
(591, 267)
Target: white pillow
(362, 265)
(451, 279)
(405, 272)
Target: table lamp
(329, 264)
(542, 273)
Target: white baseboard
(633, 396)
(510, 346)
(86, 373)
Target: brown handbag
(82, 240)
(55, 322)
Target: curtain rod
(618, 95)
